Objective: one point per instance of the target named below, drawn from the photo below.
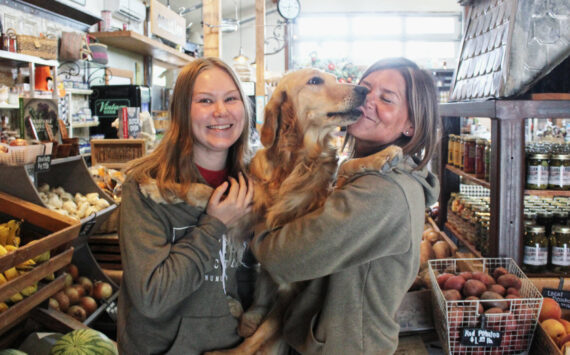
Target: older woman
(360, 251)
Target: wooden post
(260, 61)
(212, 17)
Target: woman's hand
(237, 203)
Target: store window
(345, 44)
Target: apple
(102, 290)
(77, 312)
(73, 271)
(73, 294)
(554, 329)
(87, 284)
(63, 300)
(80, 290)
(550, 309)
(54, 304)
(89, 304)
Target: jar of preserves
(457, 152)
(560, 217)
(469, 155)
(544, 218)
(480, 158)
(535, 252)
(450, 148)
(487, 160)
(560, 249)
(461, 152)
(559, 172)
(537, 172)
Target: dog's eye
(315, 81)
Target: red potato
(484, 277)
(441, 278)
(497, 288)
(455, 282)
(499, 271)
(510, 280)
(466, 275)
(452, 295)
(473, 287)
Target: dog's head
(310, 101)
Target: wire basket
(517, 323)
(21, 155)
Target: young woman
(179, 268)
(360, 252)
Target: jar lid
(539, 156)
(558, 228)
(481, 141)
(561, 157)
(536, 229)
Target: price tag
(481, 337)
(43, 163)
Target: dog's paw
(389, 158)
(249, 323)
(236, 309)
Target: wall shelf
(462, 240)
(137, 43)
(466, 176)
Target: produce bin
(516, 324)
(42, 230)
(71, 174)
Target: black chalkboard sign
(43, 163)
(560, 296)
(481, 337)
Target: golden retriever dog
(292, 176)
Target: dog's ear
(271, 119)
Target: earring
(407, 133)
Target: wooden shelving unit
(507, 178)
(463, 241)
(137, 43)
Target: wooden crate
(51, 231)
(116, 153)
(70, 173)
(444, 237)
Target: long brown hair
(171, 163)
(421, 95)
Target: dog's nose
(361, 90)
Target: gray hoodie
(177, 270)
(359, 254)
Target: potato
(426, 252)
(473, 287)
(494, 300)
(432, 236)
(475, 298)
(497, 288)
(452, 295)
(441, 278)
(484, 277)
(441, 250)
(466, 275)
(455, 282)
(509, 280)
(513, 291)
(499, 271)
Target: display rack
(23, 60)
(507, 177)
(70, 173)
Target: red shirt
(213, 178)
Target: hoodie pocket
(200, 334)
(315, 345)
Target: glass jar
(450, 148)
(560, 217)
(487, 160)
(544, 218)
(480, 158)
(537, 172)
(469, 155)
(461, 152)
(535, 257)
(457, 157)
(559, 172)
(560, 249)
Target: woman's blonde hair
(171, 163)
(421, 95)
